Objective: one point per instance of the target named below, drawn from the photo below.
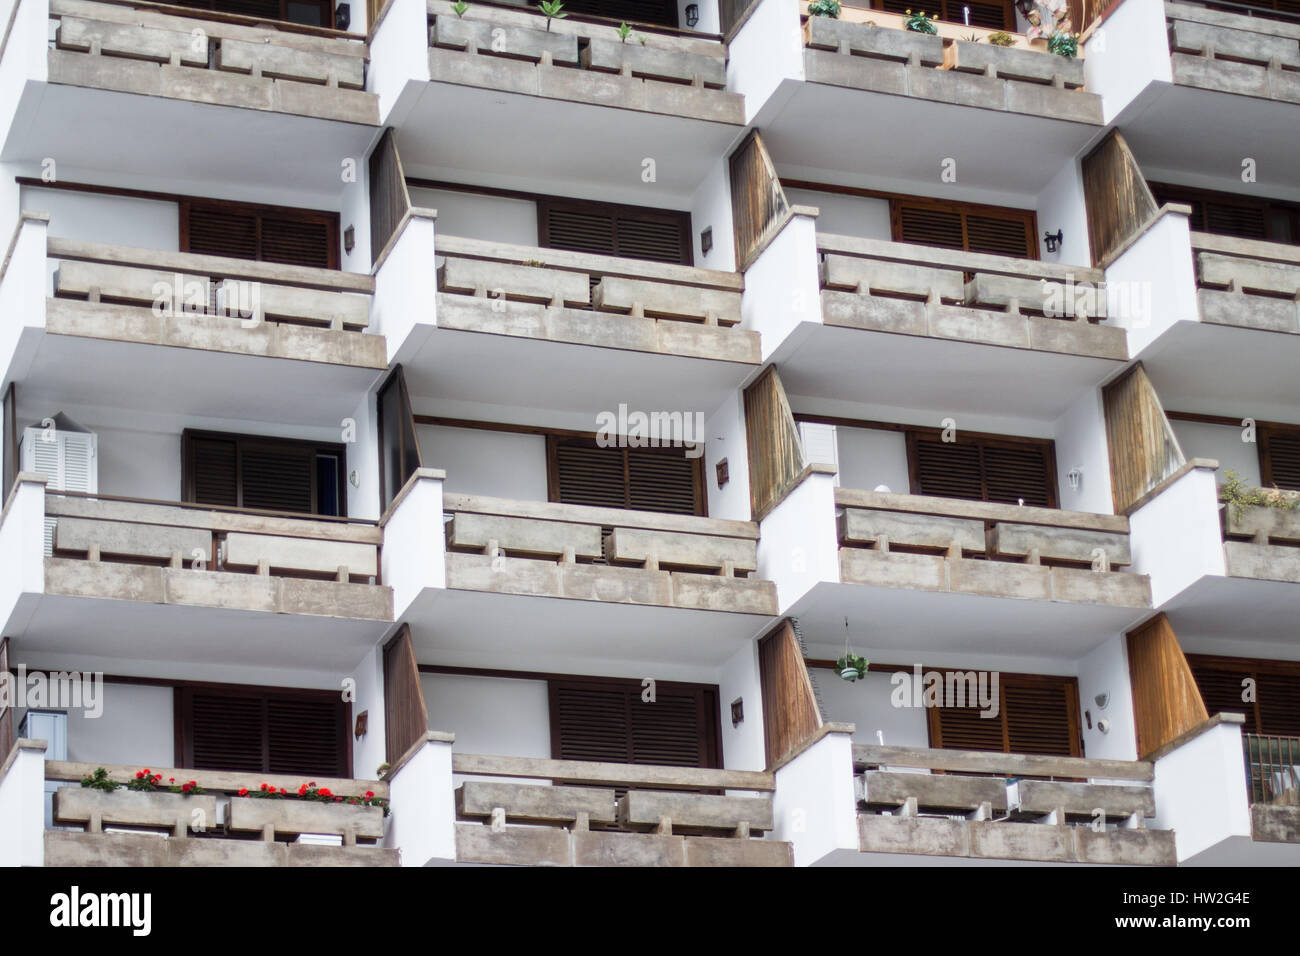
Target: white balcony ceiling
(1237, 616)
(119, 134)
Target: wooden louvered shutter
(277, 477)
(212, 466)
(607, 720)
(1279, 704)
(603, 229)
(1222, 688)
(643, 479)
(984, 229)
(280, 731)
(1036, 715)
(983, 469)
(659, 12)
(300, 237)
(994, 15)
(1279, 458)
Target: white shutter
(66, 459)
(78, 453)
(820, 445)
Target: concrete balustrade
(1247, 283)
(1232, 53)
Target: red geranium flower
(263, 786)
(370, 794)
(139, 775)
(282, 790)
(243, 791)
(324, 792)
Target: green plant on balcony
(149, 782)
(459, 8)
(100, 780)
(1239, 496)
(624, 31)
(312, 793)
(1063, 44)
(851, 667)
(920, 23)
(552, 10)
(1002, 38)
(824, 8)
(1051, 19)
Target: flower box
(291, 817)
(136, 808)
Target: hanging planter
(852, 667)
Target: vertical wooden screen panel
(790, 712)
(730, 12)
(1116, 196)
(6, 712)
(389, 200)
(1143, 448)
(406, 718)
(758, 203)
(399, 443)
(775, 451)
(1166, 701)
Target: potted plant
(146, 800)
(824, 8)
(310, 809)
(1002, 38)
(851, 667)
(920, 23)
(551, 9)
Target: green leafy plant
(1002, 38)
(150, 782)
(459, 8)
(851, 667)
(1063, 44)
(824, 8)
(551, 9)
(1239, 496)
(920, 23)
(971, 38)
(100, 780)
(624, 31)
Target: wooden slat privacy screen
(775, 451)
(758, 203)
(1143, 448)
(1084, 13)
(1012, 471)
(730, 12)
(399, 443)
(581, 472)
(1166, 702)
(1037, 714)
(6, 711)
(389, 199)
(1275, 707)
(406, 718)
(263, 730)
(1118, 202)
(790, 712)
(608, 719)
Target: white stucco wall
(474, 216)
(483, 462)
(1224, 444)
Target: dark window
(1279, 457)
(657, 12)
(608, 720)
(632, 232)
(972, 228)
(1036, 715)
(270, 474)
(995, 15)
(300, 237)
(312, 14)
(983, 468)
(644, 479)
(263, 731)
(1275, 709)
(1230, 214)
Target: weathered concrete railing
(973, 809)
(137, 50)
(638, 557)
(1251, 56)
(1024, 552)
(912, 289)
(1263, 541)
(217, 827)
(1247, 282)
(881, 57)
(660, 819)
(592, 299)
(518, 50)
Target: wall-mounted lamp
(1102, 700)
(354, 478)
(1074, 477)
(737, 711)
(723, 472)
(1054, 241)
(349, 239)
(692, 14)
(706, 241)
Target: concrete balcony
(1262, 542)
(1247, 283)
(569, 813)
(134, 323)
(1232, 53)
(969, 806)
(274, 586)
(216, 828)
(107, 46)
(882, 57)
(518, 51)
(985, 548)
(573, 328)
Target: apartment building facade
(649, 433)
